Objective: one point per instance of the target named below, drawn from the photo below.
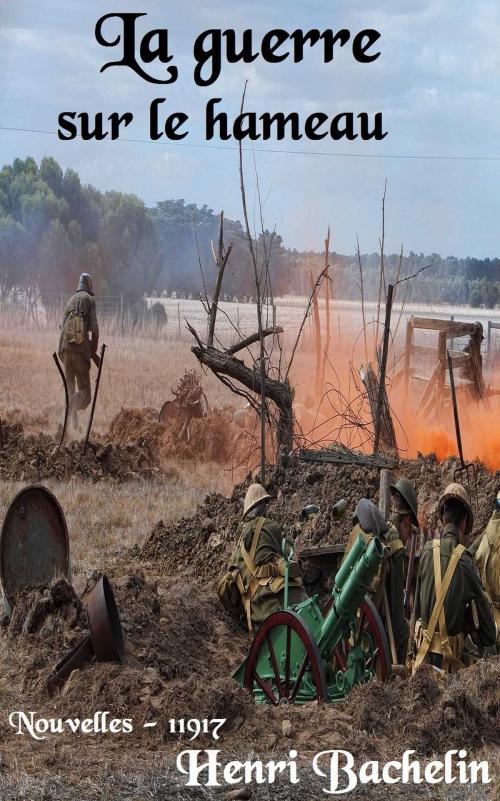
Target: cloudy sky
(437, 83)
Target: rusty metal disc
(34, 544)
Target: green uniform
(83, 303)
(76, 356)
(486, 552)
(465, 586)
(392, 575)
(269, 595)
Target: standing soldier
(254, 583)
(448, 587)
(486, 552)
(76, 350)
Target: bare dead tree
(381, 285)
(361, 289)
(327, 306)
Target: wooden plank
(320, 552)
(430, 323)
(455, 329)
(423, 350)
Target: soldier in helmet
(486, 552)
(448, 584)
(390, 579)
(257, 565)
(76, 349)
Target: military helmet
(255, 494)
(458, 493)
(85, 283)
(370, 518)
(404, 489)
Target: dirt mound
(180, 653)
(214, 437)
(429, 713)
(176, 643)
(35, 458)
(136, 426)
(202, 544)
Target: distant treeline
(53, 227)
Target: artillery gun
(301, 654)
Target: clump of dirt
(215, 437)
(36, 458)
(179, 652)
(44, 611)
(429, 712)
(137, 426)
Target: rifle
(409, 572)
(96, 359)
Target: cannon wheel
(370, 634)
(284, 689)
(168, 412)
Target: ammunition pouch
(454, 645)
(229, 593)
(75, 328)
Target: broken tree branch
(245, 343)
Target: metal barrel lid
(104, 623)
(34, 543)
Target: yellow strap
(249, 559)
(449, 659)
(249, 556)
(442, 587)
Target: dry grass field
(104, 519)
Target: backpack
(76, 329)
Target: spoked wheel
(369, 634)
(284, 664)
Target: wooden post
(408, 347)
(384, 500)
(442, 370)
(383, 366)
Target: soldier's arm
(475, 545)
(487, 627)
(269, 548)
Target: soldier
(448, 586)
(390, 579)
(257, 567)
(76, 350)
(486, 552)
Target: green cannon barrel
(347, 596)
(348, 564)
